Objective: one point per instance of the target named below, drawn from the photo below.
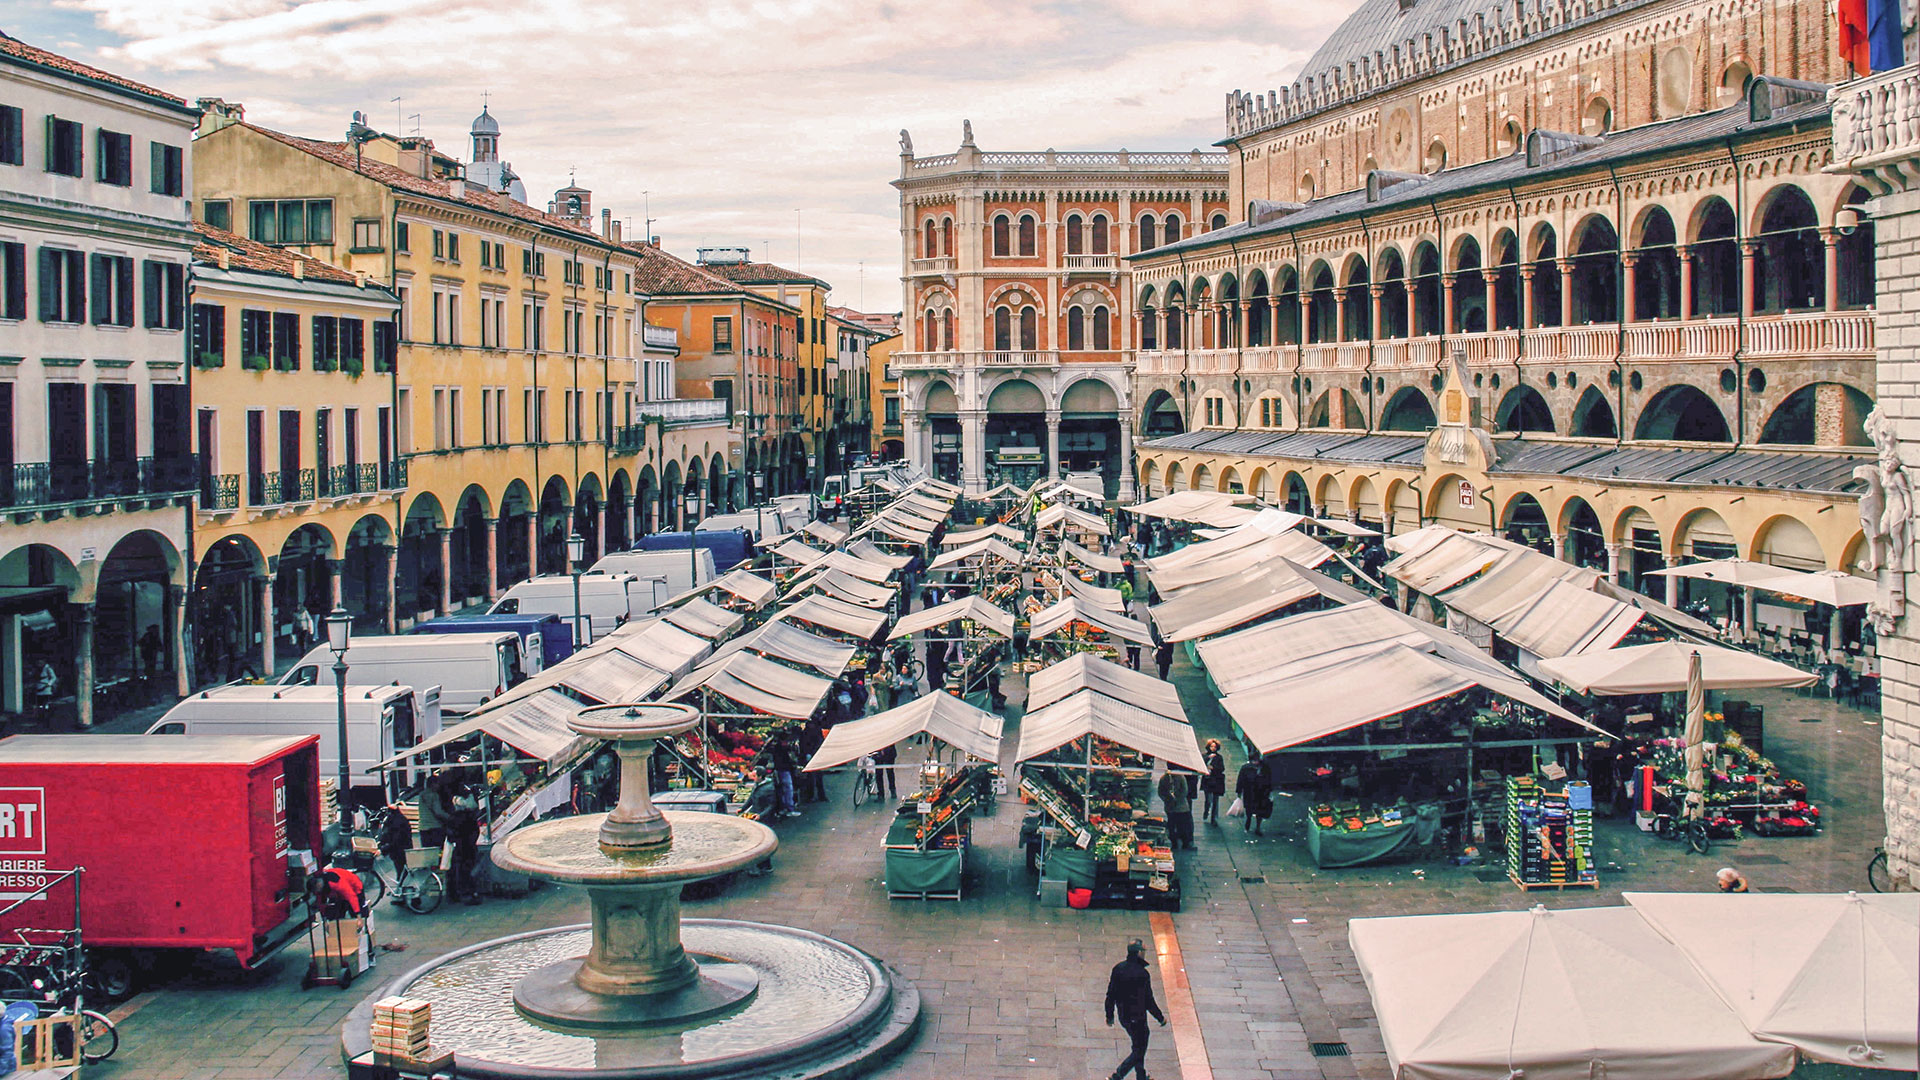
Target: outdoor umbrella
(1696, 737)
(1835, 587)
(1661, 668)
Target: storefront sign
(1466, 495)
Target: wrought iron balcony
(32, 485)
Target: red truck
(188, 843)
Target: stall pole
(1086, 799)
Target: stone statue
(1873, 503)
(1886, 517)
(906, 143)
(966, 133)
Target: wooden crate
(35, 1043)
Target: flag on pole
(1885, 45)
(1853, 36)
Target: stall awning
(1054, 619)
(798, 553)
(936, 487)
(1443, 561)
(996, 531)
(781, 640)
(868, 570)
(973, 731)
(1242, 661)
(1343, 527)
(1836, 588)
(823, 532)
(1253, 592)
(1077, 518)
(1067, 490)
(756, 591)
(924, 506)
(988, 550)
(1511, 583)
(837, 615)
(1082, 671)
(611, 677)
(896, 529)
(1661, 668)
(1106, 564)
(869, 552)
(1566, 618)
(757, 683)
(1092, 594)
(1004, 491)
(660, 644)
(844, 586)
(1092, 713)
(702, 618)
(535, 725)
(1292, 547)
(1218, 509)
(967, 607)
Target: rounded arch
(312, 540)
(1656, 277)
(1523, 409)
(1820, 414)
(1016, 395)
(1629, 519)
(516, 498)
(1790, 271)
(1162, 416)
(1597, 118)
(1524, 521)
(1593, 416)
(1202, 478)
(1784, 540)
(555, 492)
(1682, 413)
(1586, 539)
(1328, 496)
(233, 552)
(1175, 474)
(1261, 485)
(425, 511)
(1443, 496)
(1231, 481)
(476, 495)
(1363, 500)
(1090, 394)
(1150, 476)
(1294, 491)
(1408, 410)
(1704, 535)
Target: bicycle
(417, 886)
(57, 989)
(1692, 832)
(1880, 876)
(866, 781)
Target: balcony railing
(393, 475)
(938, 264)
(1876, 121)
(955, 360)
(1096, 263)
(220, 492)
(677, 411)
(1813, 333)
(659, 337)
(31, 485)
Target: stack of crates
(1547, 841)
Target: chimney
(616, 233)
(606, 223)
(654, 240)
(457, 188)
(360, 279)
(299, 268)
(224, 259)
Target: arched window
(1656, 273)
(1148, 233)
(1306, 187)
(1102, 329)
(1029, 329)
(1546, 280)
(1599, 117)
(1170, 228)
(1002, 236)
(1101, 244)
(1856, 253)
(946, 236)
(1791, 274)
(1175, 318)
(1596, 273)
(930, 331)
(1076, 329)
(1075, 242)
(1436, 159)
(1218, 221)
(1149, 328)
(1002, 328)
(1716, 260)
(932, 238)
(946, 330)
(1026, 234)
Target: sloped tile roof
(662, 274)
(41, 58)
(245, 254)
(760, 273)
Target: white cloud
(729, 114)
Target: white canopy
(1242, 661)
(796, 552)
(896, 528)
(823, 532)
(1091, 713)
(1661, 668)
(1083, 671)
(849, 563)
(1072, 609)
(1438, 558)
(1093, 594)
(1216, 508)
(535, 725)
(1064, 489)
(1106, 564)
(967, 607)
(1343, 527)
(755, 590)
(1292, 546)
(703, 618)
(1835, 587)
(611, 677)
(869, 552)
(988, 550)
(1565, 618)
(1079, 519)
(837, 615)
(757, 683)
(1551, 995)
(844, 586)
(1004, 491)
(974, 731)
(995, 531)
(1252, 592)
(784, 641)
(1729, 571)
(659, 644)
(1836, 975)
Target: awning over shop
(784, 641)
(967, 607)
(1835, 974)
(1060, 513)
(973, 731)
(1052, 620)
(1093, 594)
(1661, 668)
(702, 618)
(756, 591)
(1256, 590)
(1564, 619)
(996, 531)
(1550, 995)
(869, 552)
(745, 678)
(1438, 558)
(986, 551)
(1218, 509)
(844, 586)
(836, 615)
(1243, 661)
(660, 644)
(824, 532)
(535, 725)
(1106, 564)
(611, 677)
(1092, 713)
(798, 553)
(1084, 672)
(1291, 546)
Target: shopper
(1176, 797)
(433, 811)
(811, 738)
(1163, 658)
(883, 760)
(1130, 995)
(463, 828)
(1255, 793)
(780, 754)
(1731, 880)
(1214, 784)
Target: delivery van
(606, 601)
(545, 640)
(677, 572)
(382, 720)
(470, 669)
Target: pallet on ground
(1531, 885)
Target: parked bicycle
(54, 983)
(1881, 877)
(1691, 832)
(418, 886)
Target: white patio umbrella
(1661, 668)
(1696, 735)
(1726, 571)
(1835, 587)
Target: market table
(923, 873)
(1374, 841)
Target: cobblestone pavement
(1013, 989)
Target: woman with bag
(1255, 794)
(1214, 784)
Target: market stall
(779, 640)
(992, 567)
(843, 586)
(1075, 625)
(1218, 509)
(742, 699)
(849, 623)
(828, 534)
(996, 531)
(703, 619)
(1066, 522)
(736, 590)
(929, 838)
(1219, 605)
(1088, 763)
(981, 631)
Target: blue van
(730, 547)
(555, 637)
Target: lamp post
(576, 554)
(339, 636)
(693, 536)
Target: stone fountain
(637, 993)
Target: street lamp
(577, 554)
(339, 636)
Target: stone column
(910, 440)
(533, 538)
(1749, 254)
(446, 571)
(1053, 442)
(1340, 313)
(1686, 280)
(393, 587)
(1673, 582)
(493, 558)
(1560, 547)
(1628, 260)
(336, 573)
(1306, 317)
(263, 601)
(1377, 312)
(1565, 267)
(1126, 458)
(1413, 310)
(1613, 563)
(1491, 276)
(973, 450)
(177, 643)
(1526, 296)
(83, 677)
(1831, 241)
(1448, 324)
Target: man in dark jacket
(1130, 994)
(1256, 794)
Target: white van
(471, 669)
(757, 522)
(679, 570)
(381, 722)
(606, 600)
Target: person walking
(1130, 996)
(1163, 658)
(1176, 797)
(1214, 784)
(781, 752)
(1255, 792)
(884, 759)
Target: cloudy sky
(720, 118)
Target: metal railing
(686, 410)
(52, 483)
(220, 491)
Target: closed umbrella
(1696, 738)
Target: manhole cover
(1338, 1049)
(1253, 879)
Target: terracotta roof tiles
(20, 50)
(245, 254)
(760, 273)
(662, 274)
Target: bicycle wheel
(428, 891)
(1698, 838)
(1877, 874)
(14, 985)
(862, 787)
(374, 882)
(916, 669)
(98, 1037)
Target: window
(353, 346)
(1026, 234)
(539, 264)
(366, 234)
(13, 280)
(256, 339)
(1102, 330)
(165, 286)
(63, 285)
(439, 418)
(13, 136)
(1148, 233)
(400, 236)
(453, 418)
(115, 154)
(286, 341)
(499, 256)
(800, 332)
(1099, 246)
(168, 169)
(486, 255)
(1170, 229)
(722, 334)
(486, 319)
(63, 146)
(326, 343)
(1002, 236)
(386, 346)
(218, 213)
(112, 290)
(1075, 238)
(1076, 328)
(1218, 221)
(453, 247)
(892, 411)
(439, 244)
(209, 335)
(566, 273)
(290, 221)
